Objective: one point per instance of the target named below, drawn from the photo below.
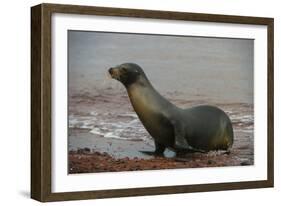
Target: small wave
(110, 125)
(128, 126)
(131, 115)
(80, 123)
(97, 131)
(242, 120)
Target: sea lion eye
(123, 69)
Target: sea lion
(196, 129)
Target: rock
(87, 150)
(245, 163)
(211, 162)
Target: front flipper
(179, 133)
(184, 154)
(159, 150)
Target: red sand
(84, 161)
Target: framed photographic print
(130, 102)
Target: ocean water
(127, 126)
(186, 70)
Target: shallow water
(128, 126)
(105, 119)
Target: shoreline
(114, 155)
(106, 135)
(90, 161)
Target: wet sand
(110, 155)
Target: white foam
(128, 126)
(128, 115)
(96, 131)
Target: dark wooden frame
(41, 101)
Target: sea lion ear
(137, 72)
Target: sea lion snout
(110, 71)
(114, 73)
(127, 73)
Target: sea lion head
(127, 73)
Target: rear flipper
(181, 145)
(159, 150)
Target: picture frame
(42, 119)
